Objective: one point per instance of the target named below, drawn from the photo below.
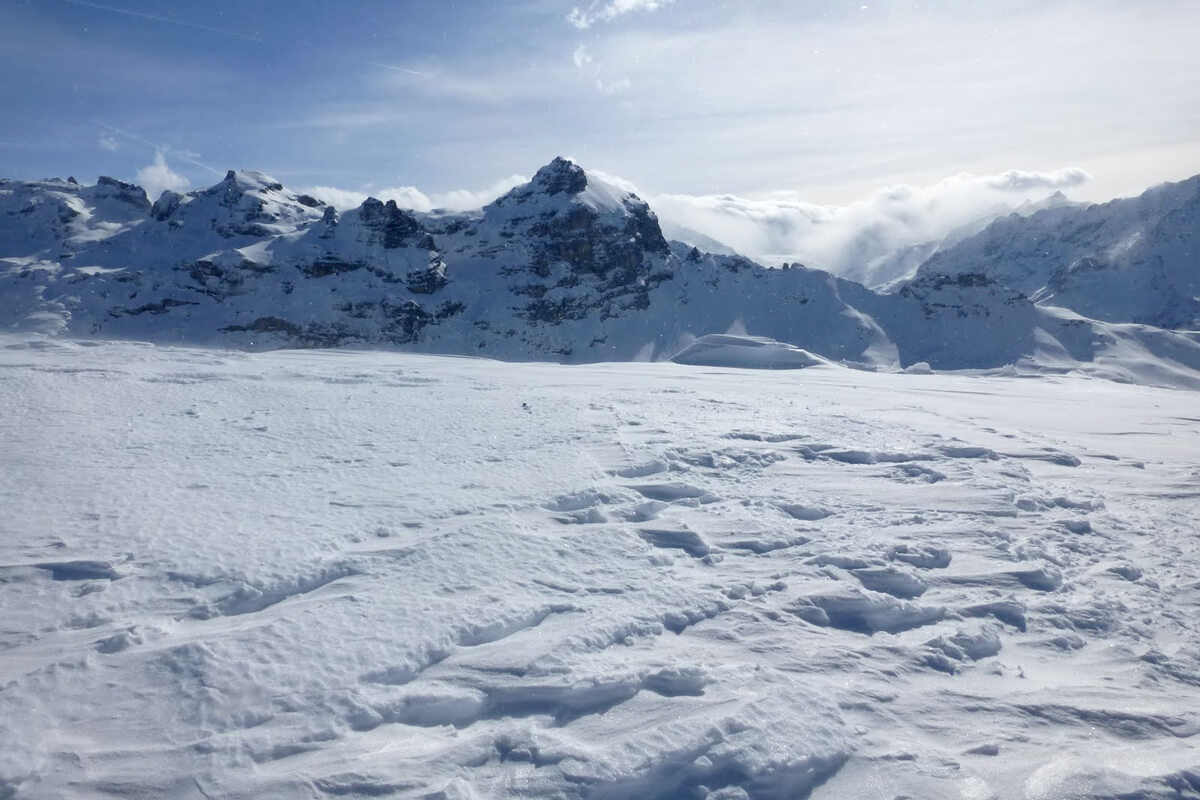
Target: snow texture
(316, 573)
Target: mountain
(899, 264)
(1130, 260)
(566, 267)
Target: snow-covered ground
(315, 574)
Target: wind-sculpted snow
(353, 574)
(753, 352)
(567, 267)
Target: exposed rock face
(560, 176)
(166, 205)
(593, 248)
(124, 192)
(428, 281)
(393, 225)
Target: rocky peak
(560, 176)
(166, 205)
(563, 193)
(111, 188)
(392, 224)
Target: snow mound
(745, 352)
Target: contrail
(155, 18)
(133, 137)
(402, 69)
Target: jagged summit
(113, 189)
(561, 175)
(565, 182)
(247, 180)
(572, 216)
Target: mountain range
(571, 267)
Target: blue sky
(826, 101)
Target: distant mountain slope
(566, 267)
(1129, 260)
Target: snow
(361, 574)
(749, 352)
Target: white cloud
(581, 56)
(158, 177)
(603, 12)
(613, 87)
(463, 199)
(414, 199)
(405, 196)
(851, 240)
(108, 142)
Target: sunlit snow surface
(338, 574)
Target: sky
(701, 102)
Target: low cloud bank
(413, 198)
(859, 240)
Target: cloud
(158, 177)
(613, 87)
(586, 64)
(604, 12)
(108, 142)
(414, 199)
(859, 240)
(1019, 180)
(406, 70)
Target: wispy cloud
(598, 11)
(249, 37)
(613, 87)
(395, 68)
(582, 58)
(343, 119)
(108, 142)
(158, 177)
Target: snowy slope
(567, 267)
(1129, 260)
(334, 574)
(886, 272)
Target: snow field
(353, 574)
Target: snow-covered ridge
(1130, 260)
(573, 267)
